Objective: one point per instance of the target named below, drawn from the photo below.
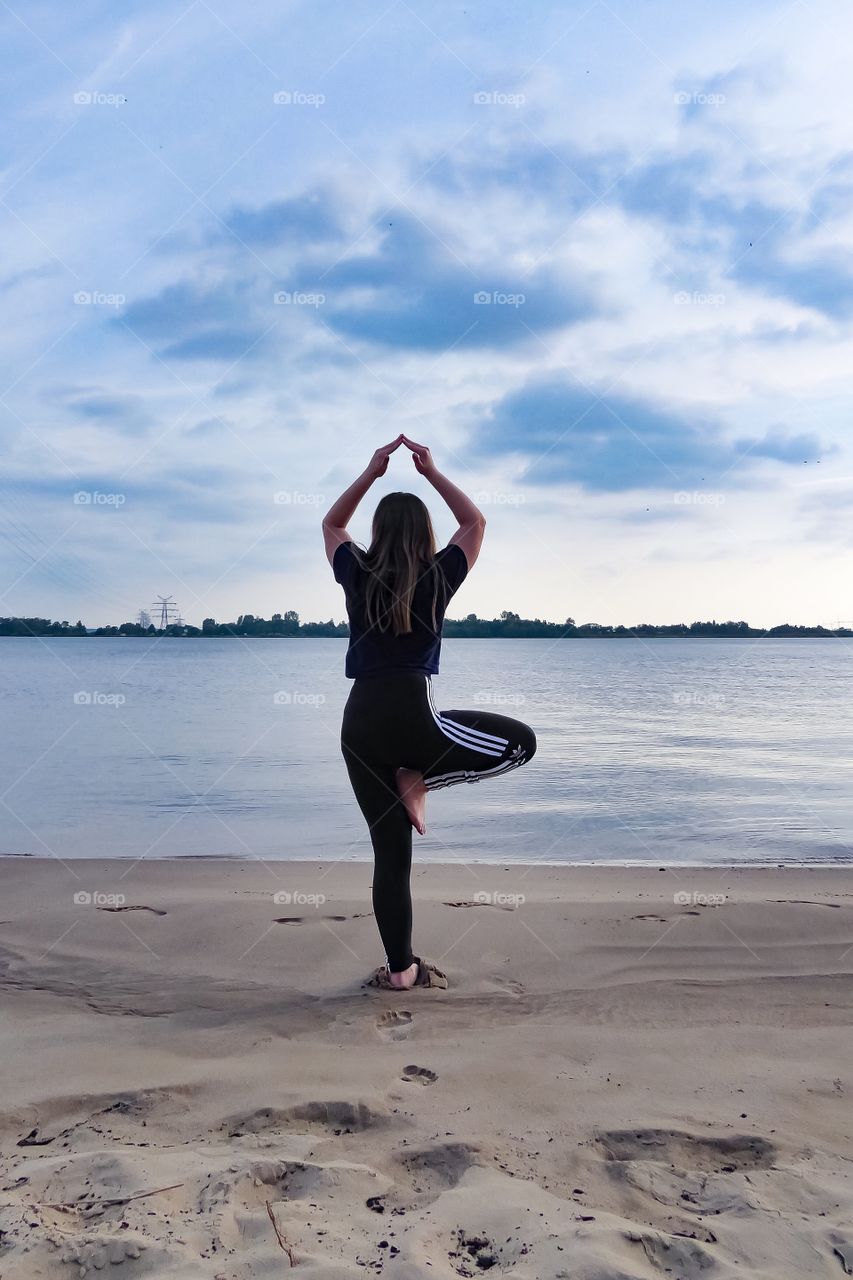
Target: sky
(596, 255)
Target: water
(670, 751)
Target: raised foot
(410, 785)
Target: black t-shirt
(373, 652)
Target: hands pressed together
(421, 457)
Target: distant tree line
(507, 626)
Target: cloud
(616, 442)
(302, 219)
(778, 444)
(822, 280)
(188, 321)
(217, 344)
(44, 272)
(117, 412)
(417, 292)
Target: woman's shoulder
(453, 564)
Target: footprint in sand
(360, 915)
(419, 1075)
(728, 1153)
(842, 1249)
(336, 1117)
(437, 1166)
(107, 1249)
(511, 986)
(501, 906)
(155, 911)
(395, 1024)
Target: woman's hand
(421, 456)
(378, 464)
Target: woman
(396, 745)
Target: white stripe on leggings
(475, 733)
(456, 737)
(488, 743)
(446, 779)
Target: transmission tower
(143, 619)
(168, 612)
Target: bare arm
(472, 522)
(341, 512)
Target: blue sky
(596, 255)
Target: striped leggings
(391, 720)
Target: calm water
(654, 751)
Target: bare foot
(410, 785)
(407, 978)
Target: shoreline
(602, 865)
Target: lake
(699, 751)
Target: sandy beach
(633, 1073)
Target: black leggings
(391, 720)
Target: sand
(633, 1074)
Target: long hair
(401, 552)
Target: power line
(168, 611)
